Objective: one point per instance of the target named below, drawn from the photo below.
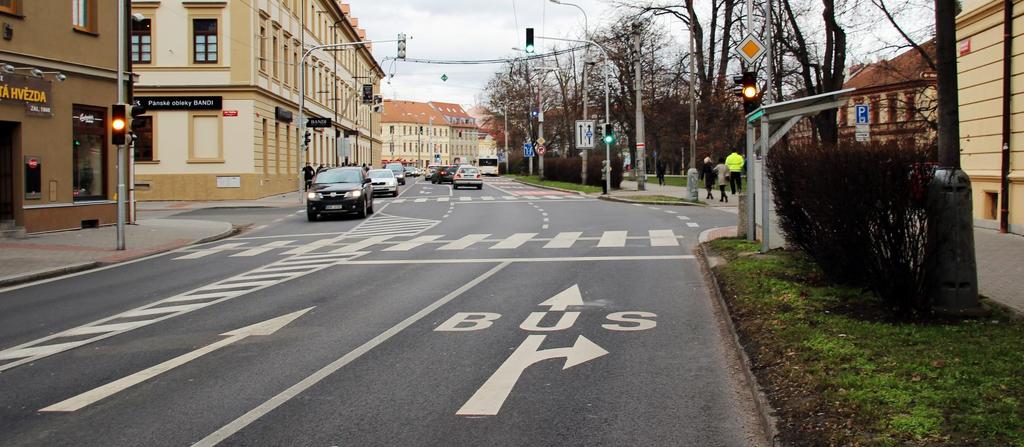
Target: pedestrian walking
(735, 164)
(604, 177)
(707, 173)
(722, 173)
(307, 174)
(660, 171)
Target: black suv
(444, 174)
(340, 190)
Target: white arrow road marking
(565, 298)
(90, 397)
(286, 395)
(488, 399)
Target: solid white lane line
(350, 248)
(663, 238)
(526, 260)
(514, 241)
(564, 240)
(260, 250)
(209, 251)
(465, 242)
(613, 239)
(416, 242)
(286, 395)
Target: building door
(6, 172)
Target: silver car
(398, 170)
(384, 182)
(467, 176)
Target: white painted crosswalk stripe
(564, 240)
(354, 247)
(613, 239)
(309, 247)
(415, 242)
(488, 198)
(263, 249)
(465, 199)
(663, 238)
(514, 241)
(465, 242)
(692, 225)
(420, 200)
(209, 251)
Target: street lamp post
(586, 54)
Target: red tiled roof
(410, 112)
(908, 66)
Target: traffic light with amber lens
(118, 123)
(746, 88)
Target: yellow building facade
(221, 82)
(415, 134)
(980, 67)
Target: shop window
(83, 15)
(204, 36)
(88, 152)
(143, 128)
(142, 41)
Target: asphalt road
(506, 316)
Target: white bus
(488, 165)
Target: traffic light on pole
(746, 88)
(609, 133)
(401, 46)
(305, 140)
(118, 123)
(529, 40)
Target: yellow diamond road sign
(750, 49)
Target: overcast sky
(489, 29)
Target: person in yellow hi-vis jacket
(735, 163)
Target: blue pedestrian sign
(862, 114)
(527, 150)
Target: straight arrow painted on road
(90, 397)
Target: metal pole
(751, 204)
(506, 141)
(430, 135)
(639, 168)
(301, 128)
(540, 123)
(121, 38)
(693, 106)
(765, 130)
(607, 116)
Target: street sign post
(863, 121)
(585, 134)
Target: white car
(467, 176)
(384, 182)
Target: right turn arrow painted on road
(487, 400)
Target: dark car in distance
(340, 190)
(444, 174)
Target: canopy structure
(775, 121)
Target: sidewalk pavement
(40, 256)
(629, 188)
(1000, 267)
(291, 199)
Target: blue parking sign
(862, 114)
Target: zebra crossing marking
(464, 242)
(613, 239)
(210, 251)
(514, 241)
(564, 240)
(414, 243)
(263, 249)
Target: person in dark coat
(660, 171)
(307, 173)
(707, 173)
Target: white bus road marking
(286, 395)
(491, 395)
(90, 397)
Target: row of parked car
(352, 189)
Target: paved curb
(81, 267)
(621, 200)
(707, 261)
(550, 187)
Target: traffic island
(839, 369)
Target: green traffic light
(529, 48)
(608, 139)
